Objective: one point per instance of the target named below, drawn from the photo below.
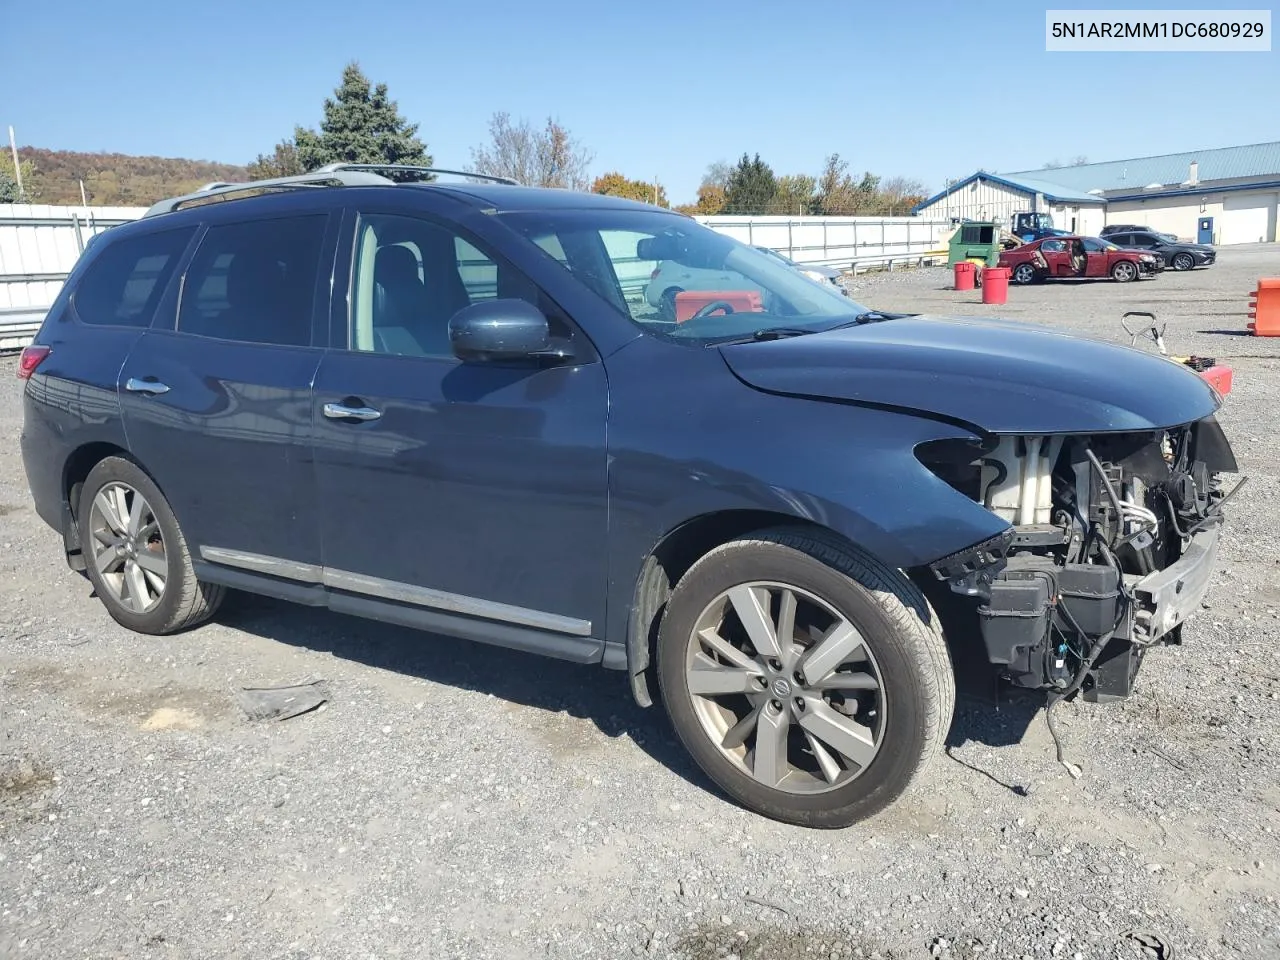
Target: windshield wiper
(768, 333)
(871, 316)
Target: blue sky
(927, 90)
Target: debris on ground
(282, 703)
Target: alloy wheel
(128, 547)
(1183, 261)
(1125, 270)
(785, 687)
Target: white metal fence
(844, 242)
(40, 244)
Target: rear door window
(255, 281)
(123, 286)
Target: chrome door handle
(154, 387)
(338, 411)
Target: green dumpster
(975, 241)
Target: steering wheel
(707, 309)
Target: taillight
(31, 358)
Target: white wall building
(1222, 196)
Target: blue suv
(449, 405)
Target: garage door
(1247, 218)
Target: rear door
(217, 402)
(473, 489)
(111, 297)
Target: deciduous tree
(797, 194)
(547, 157)
(281, 162)
(616, 185)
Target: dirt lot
(462, 801)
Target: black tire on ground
(1183, 261)
(1123, 271)
(184, 601)
(898, 626)
(667, 303)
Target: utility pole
(17, 167)
(83, 200)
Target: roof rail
(334, 174)
(408, 168)
(318, 178)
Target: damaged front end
(1111, 543)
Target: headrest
(395, 264)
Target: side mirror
(504, 329)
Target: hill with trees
(115, 179)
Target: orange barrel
(995, 285)
(965, 272)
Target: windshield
(1097, 245)
(777, 256)
(676, 278)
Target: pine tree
(752, 187)
(362, 125)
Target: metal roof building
(1222, 195)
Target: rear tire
(135, 554)
(1024, 273)
(876, 725)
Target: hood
(999, 376)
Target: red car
(1066, 258)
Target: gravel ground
(462, 801)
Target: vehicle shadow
(985, 712)
(590, 693)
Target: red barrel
(965, 272)
(995, 285)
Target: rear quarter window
(123, 285)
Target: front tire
(135, 554)
(808, 680)
(1183, 261)
(1123, 271)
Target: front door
(1056, 256)
(473, 490)
(217, 407)
(1204, 230)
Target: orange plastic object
(1264, 308)
(1220, 376)
(741, 301)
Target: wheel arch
(671, 557)
(75, 470)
